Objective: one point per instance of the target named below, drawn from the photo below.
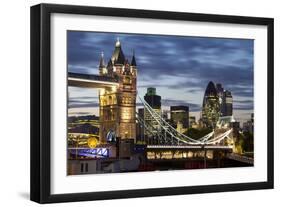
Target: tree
(197, 133)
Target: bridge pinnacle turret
(102, 67)
(118, 56)
(133, 62)
(102, 63)
(118, 43)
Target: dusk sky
(179, 67)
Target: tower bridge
(117, 99)
(116, 83)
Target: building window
(127, 80)
(82, 167)
(110, 100)
(87, 167)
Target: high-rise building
(152, 98)
(211, 106)
(165, 115)
(192, 120)
(220, 91)
(118, 103)
(141, 113)
(236, 129)
(249, 125)
(180, 117)
(227, 102)
(217, 102)
(154, 101)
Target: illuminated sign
(92, 142)
(94, 152)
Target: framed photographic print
(132, 103)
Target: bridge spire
(133, 62)
(118, 43)
(102, 63)
(118, 56)
(102, 67)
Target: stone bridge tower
(118, 103)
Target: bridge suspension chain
(208, 139)
(167, 127)
(154, 132)
(220, 137)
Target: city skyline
(169, 63)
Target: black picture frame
(41, 96)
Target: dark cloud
(243, 104)
(229, 61)
(243, 101)
(82, 105)
(171, 102)
(83, 102)
(85, 98)
(248, 107)
(191, 61)
(79, 113)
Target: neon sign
(95, 152)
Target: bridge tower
(118, 103)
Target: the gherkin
(211, 106)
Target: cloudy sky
(179, 67)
